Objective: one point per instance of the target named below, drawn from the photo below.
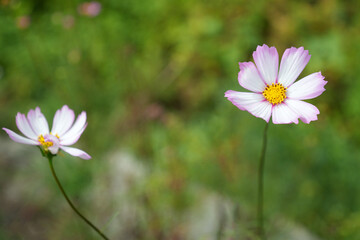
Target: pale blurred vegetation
(151, 76)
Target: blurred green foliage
(151, 76)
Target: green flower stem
(49, 156)
(260, 212)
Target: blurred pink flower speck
(23, 22)
(90, 9)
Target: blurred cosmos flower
(90, 9)
(274, 92)
(63, 132)
(23, 22)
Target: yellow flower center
(44, 143)
(275, 93)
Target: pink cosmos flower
(274, 92)
(90, 9)
(62, 134)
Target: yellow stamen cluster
(275, 93)
(44, 143)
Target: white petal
(292, 63)
(267, 62)
(20, 139)
(308, 87)
(254, 103)
(38, 122)
(54, 149)
(282, 114)
(24, 126)
(261, 110)
(74, 138)
(249, 77)
(63, 120)
(306, 111)
(76, 152)
(243, 99)
(75, 130)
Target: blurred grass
(151, 76)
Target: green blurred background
(151, 76)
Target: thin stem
(69, 202)
(260, 213)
